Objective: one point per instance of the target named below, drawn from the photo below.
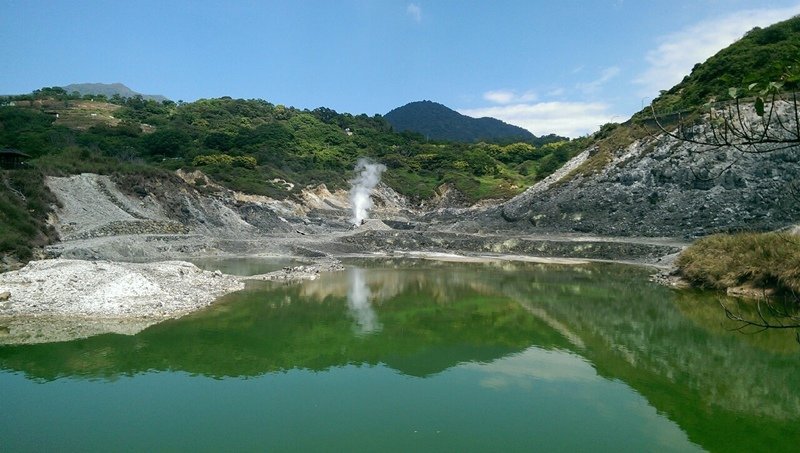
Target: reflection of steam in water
(358, 296)
(439, 286)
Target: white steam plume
(369, 175)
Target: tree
(764, 123)
(762, 118)
(770, 313)
(167, 143)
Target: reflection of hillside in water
(721, 387)
(405, 319)
(727, 390)
(387, 284)
(640, 333)
(650, 335)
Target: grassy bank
(760, 260)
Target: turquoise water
(399, 356)
(243, 266)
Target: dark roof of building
(12, 152)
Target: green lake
(403, 355)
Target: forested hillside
(761, 56)
(764, 61)
(247, 145)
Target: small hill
(761, 56)
(109, 90)
(438, 122)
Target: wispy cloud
(415, 12)
(595, 85)
(678, 52)
(571, 119)
(509, 96)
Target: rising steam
(369, 175)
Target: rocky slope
(661, 186)
(157, 218)
(95, 207)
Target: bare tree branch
(734, 126)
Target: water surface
(243, 266)
(399, 356)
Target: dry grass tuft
(761, 260)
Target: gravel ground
(64, 299)
(91, 201)
(104, 289)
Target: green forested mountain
(109, 90)
(438, 122)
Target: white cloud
(508, 96)
(593, 86)
(415, 12)
(680, 51)
(571, 119)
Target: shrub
(24, 206)
(225, 160)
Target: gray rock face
(95, 206)
(665, 187)
(651, 251)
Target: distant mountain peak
(109, 90)
(439, 122)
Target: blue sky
(550, 66)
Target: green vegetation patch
(24, 206)
(763, 55)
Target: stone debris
(64, 299)
(104, 289)
(307, 272)
(118, 228)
